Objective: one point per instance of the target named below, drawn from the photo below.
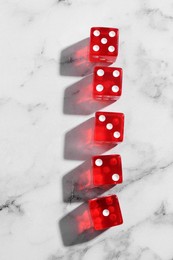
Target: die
(106, 169)
(105, 212)
(103, 44)
(107, 83)
(109, 127)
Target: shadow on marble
(79, 142)
(74, 60)
(78, 99)
(78, 184)
(76, 227)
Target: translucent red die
(109, 127)
(107, 83)
(105, 212)
(107, 169)
(103, 44)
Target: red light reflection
(85, 180)
(84, 221)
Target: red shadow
(77, 227)
(74, 60)
(79, 142)
(78, 98)
(78, 184)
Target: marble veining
(46, 108)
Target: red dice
(109, 127)
(103, 44)
(107, 83)
(107, 169)
(105, 212)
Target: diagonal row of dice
(109, 126)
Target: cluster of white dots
(100, 73)
(109, 126)
(100, 87)
(104, 41)
(99, 162)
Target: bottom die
(105, 212)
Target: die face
(109, 127)
(105, 212)
(103, 44)
(107, 170)
(107, 83)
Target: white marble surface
(43, 118)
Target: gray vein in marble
(12, 206)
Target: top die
(103, 44)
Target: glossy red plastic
(109, 127)
(107, 83)
(107, 169)
(103, 44)
(105, 212)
